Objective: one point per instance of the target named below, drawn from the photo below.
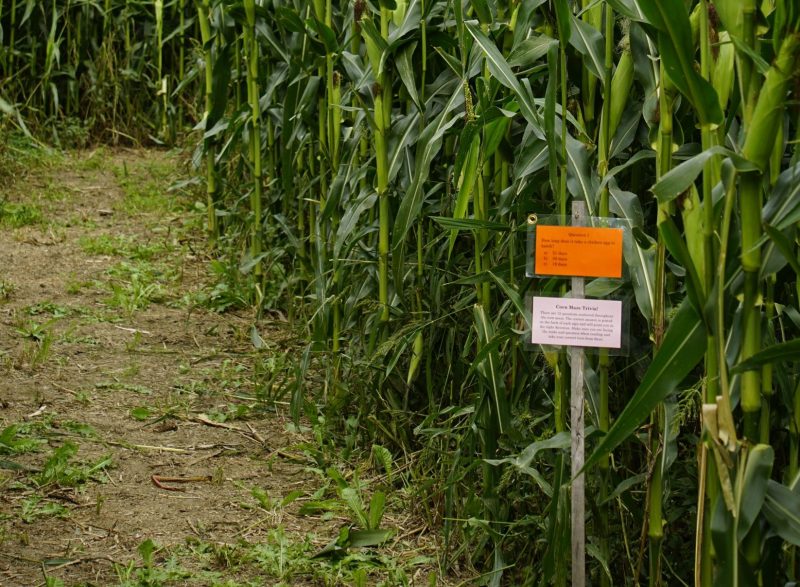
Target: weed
(146, 191)
(280, 558)
(80, 428)
(97, 159)
(120, 246)
(76, 286)
(11, 443)
(60, 470)
(135, 285)
(53, 193)
(19, 215)
(229, 413)
(40, 339)
(35, 506)
(6, 289)
(55, 310)
(116, 385)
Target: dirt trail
(112, 379)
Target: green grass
(120, 246)
(146, 186)
(135, 285)
(14, 215)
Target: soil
(163, 391)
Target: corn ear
(768, 113)
(722, 76)
(621, 85)
(416, 358)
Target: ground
(143, 436)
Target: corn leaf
(677, 52)
(430, 141)
(752, 487)
(678, 180)
(784, 351)
(782, 511)
(500, 69)
(490, 369)
(683, 346)
(589, 43)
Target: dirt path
(113, 380)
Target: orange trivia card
(578, 251)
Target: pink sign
(576, 322)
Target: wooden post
(577, 432)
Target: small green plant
(11, 442)
(120, 246)
(55, 310)
(6, 289)
(60, 469)
(40, 339)
(18, 215)
(135, 285)
(36, 506)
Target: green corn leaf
(482, 11)
(430, 141)
(784, 351)
(340, 183)
(589, 43)
(779, 250)
(500, 69)
(553, 140)
(677, 247)
(563, 19)
(582, 179)
(469, 224)
(523, 461)
(782, 210)
(221, 75)
(467, 176)
(677, 180)
(409, 24)
(511, 293)
(624, 486)
(494, 132)
(404, 134)
(531, 50)
(677, 52)
(629, 9)
(349, 221)
(639, 156)
(751, 489)
(782, 511)
(406, 70)
(289, 19)
(490, 369)
(326, 35)
(683, 347)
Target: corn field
(368, 168)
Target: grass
(146, 186)
(135, 285)
(18, 215)
(121, 246)
(277, 557)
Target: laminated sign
(578, 251)
(576, 322)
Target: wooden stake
(577, 433)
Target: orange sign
(578, 251)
